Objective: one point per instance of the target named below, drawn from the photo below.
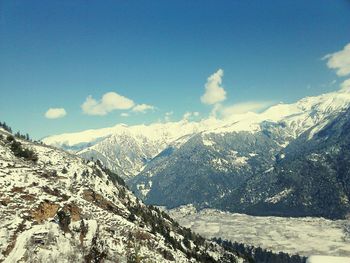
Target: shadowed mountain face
(207, 167)
(310, 177)
(255, 174)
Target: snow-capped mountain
(208, 162)
(233, 167)
(125, 149)
(58, 207)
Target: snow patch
(278, 197)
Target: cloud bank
(214, 92)
(55, 113)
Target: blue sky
(54, 54)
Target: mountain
(311, 176)
(260, 165)
(231, 164)
(125, 149)
(57, 207)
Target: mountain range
(289, 160)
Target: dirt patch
(5, 201)
(55, 192)
(74, 210)
(45, 210)
(100, 201)
(16, 189)
(28, 197)
(142, 235)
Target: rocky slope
(57, 207)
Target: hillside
(58, 207)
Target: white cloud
(240, 108)
(168, 115)
(189, 115)
(143, 108)
(340, 61)
(55, 113)
(215, 110)
(110, 101)
(214, 92)
(345, 86)
(124, 114)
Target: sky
(71, 65)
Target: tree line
(258, 254)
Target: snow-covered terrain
(305, 236)
(127, 149)
(61, 208)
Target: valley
(305, 236)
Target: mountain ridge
(104, 143)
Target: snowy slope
(163, 132)
(128, 149)
(125, 149)
(64, 209)
(298, 117)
